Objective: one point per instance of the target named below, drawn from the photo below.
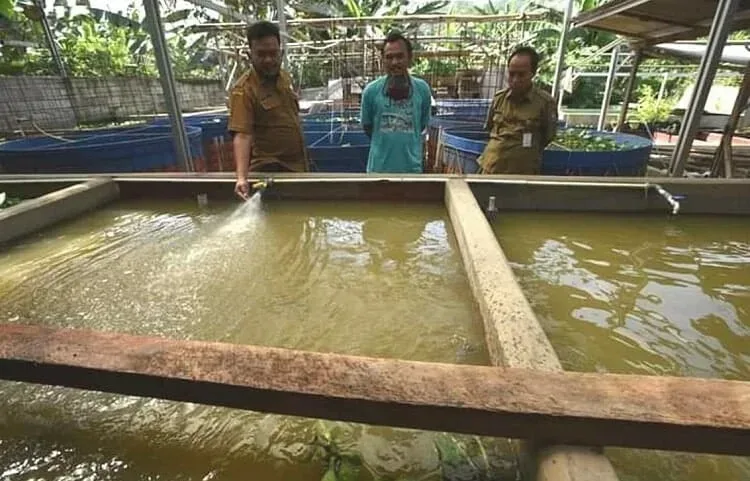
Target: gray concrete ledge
(513, 334)
(35, 214)
(513, 192)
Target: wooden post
(632, 78)
(723, 156)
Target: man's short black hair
(396, 37)
(528, 52)
(262, 29)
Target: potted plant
(654, 113)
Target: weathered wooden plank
(670, 413)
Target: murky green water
(365, 279)
(644, 295)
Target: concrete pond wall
(514, 337)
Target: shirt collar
(525, 98)
(279, 79)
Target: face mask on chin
(398, 87)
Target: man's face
(396, 58)
(520, 74)
(265, 55)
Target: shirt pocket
(271, 102)
(530, 118)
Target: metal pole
(232, 74)
(159, 41)
(629, 90)
(691, 120)
(608, 88)
(663, 86)
(561, 49)
(51, 42)
(723, 154)
(283, 29)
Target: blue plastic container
(139, 149)
(631, 161)
(340, 152)
(463, 149)
(467, 108)
(212, 125)
(348, 115)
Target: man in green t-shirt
(395, 112)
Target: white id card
(526, 142)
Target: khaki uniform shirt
(270, 112)
(519, 131)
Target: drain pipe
(671, 200)
(491, 211)
(262, 185)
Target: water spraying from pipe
(671, 199)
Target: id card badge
(526, 142)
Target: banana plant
(6, 8)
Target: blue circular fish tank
(131, 149)
(338, 151)
(628, 158)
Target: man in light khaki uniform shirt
(522, 120)
(264, 112)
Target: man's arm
(489, 122)
(241, 125)
(426, 107)
(550, 123)
(242, 145)
(366, 113)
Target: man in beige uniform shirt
(264, 112)
(522, 120)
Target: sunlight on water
(365, 279)
(642, 295)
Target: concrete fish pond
(333, 327)
(669, 297)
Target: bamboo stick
(354, 21)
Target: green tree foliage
(98, 46)
(6, 8)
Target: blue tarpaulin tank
(474, 108)
(462, 148)
(217, 146)
(139, 149)
(212, 125)
(339, 151)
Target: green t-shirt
(397, 127)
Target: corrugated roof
(659, 21)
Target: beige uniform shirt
(270, 112)
(519, 131)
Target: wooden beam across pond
(670, 413)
